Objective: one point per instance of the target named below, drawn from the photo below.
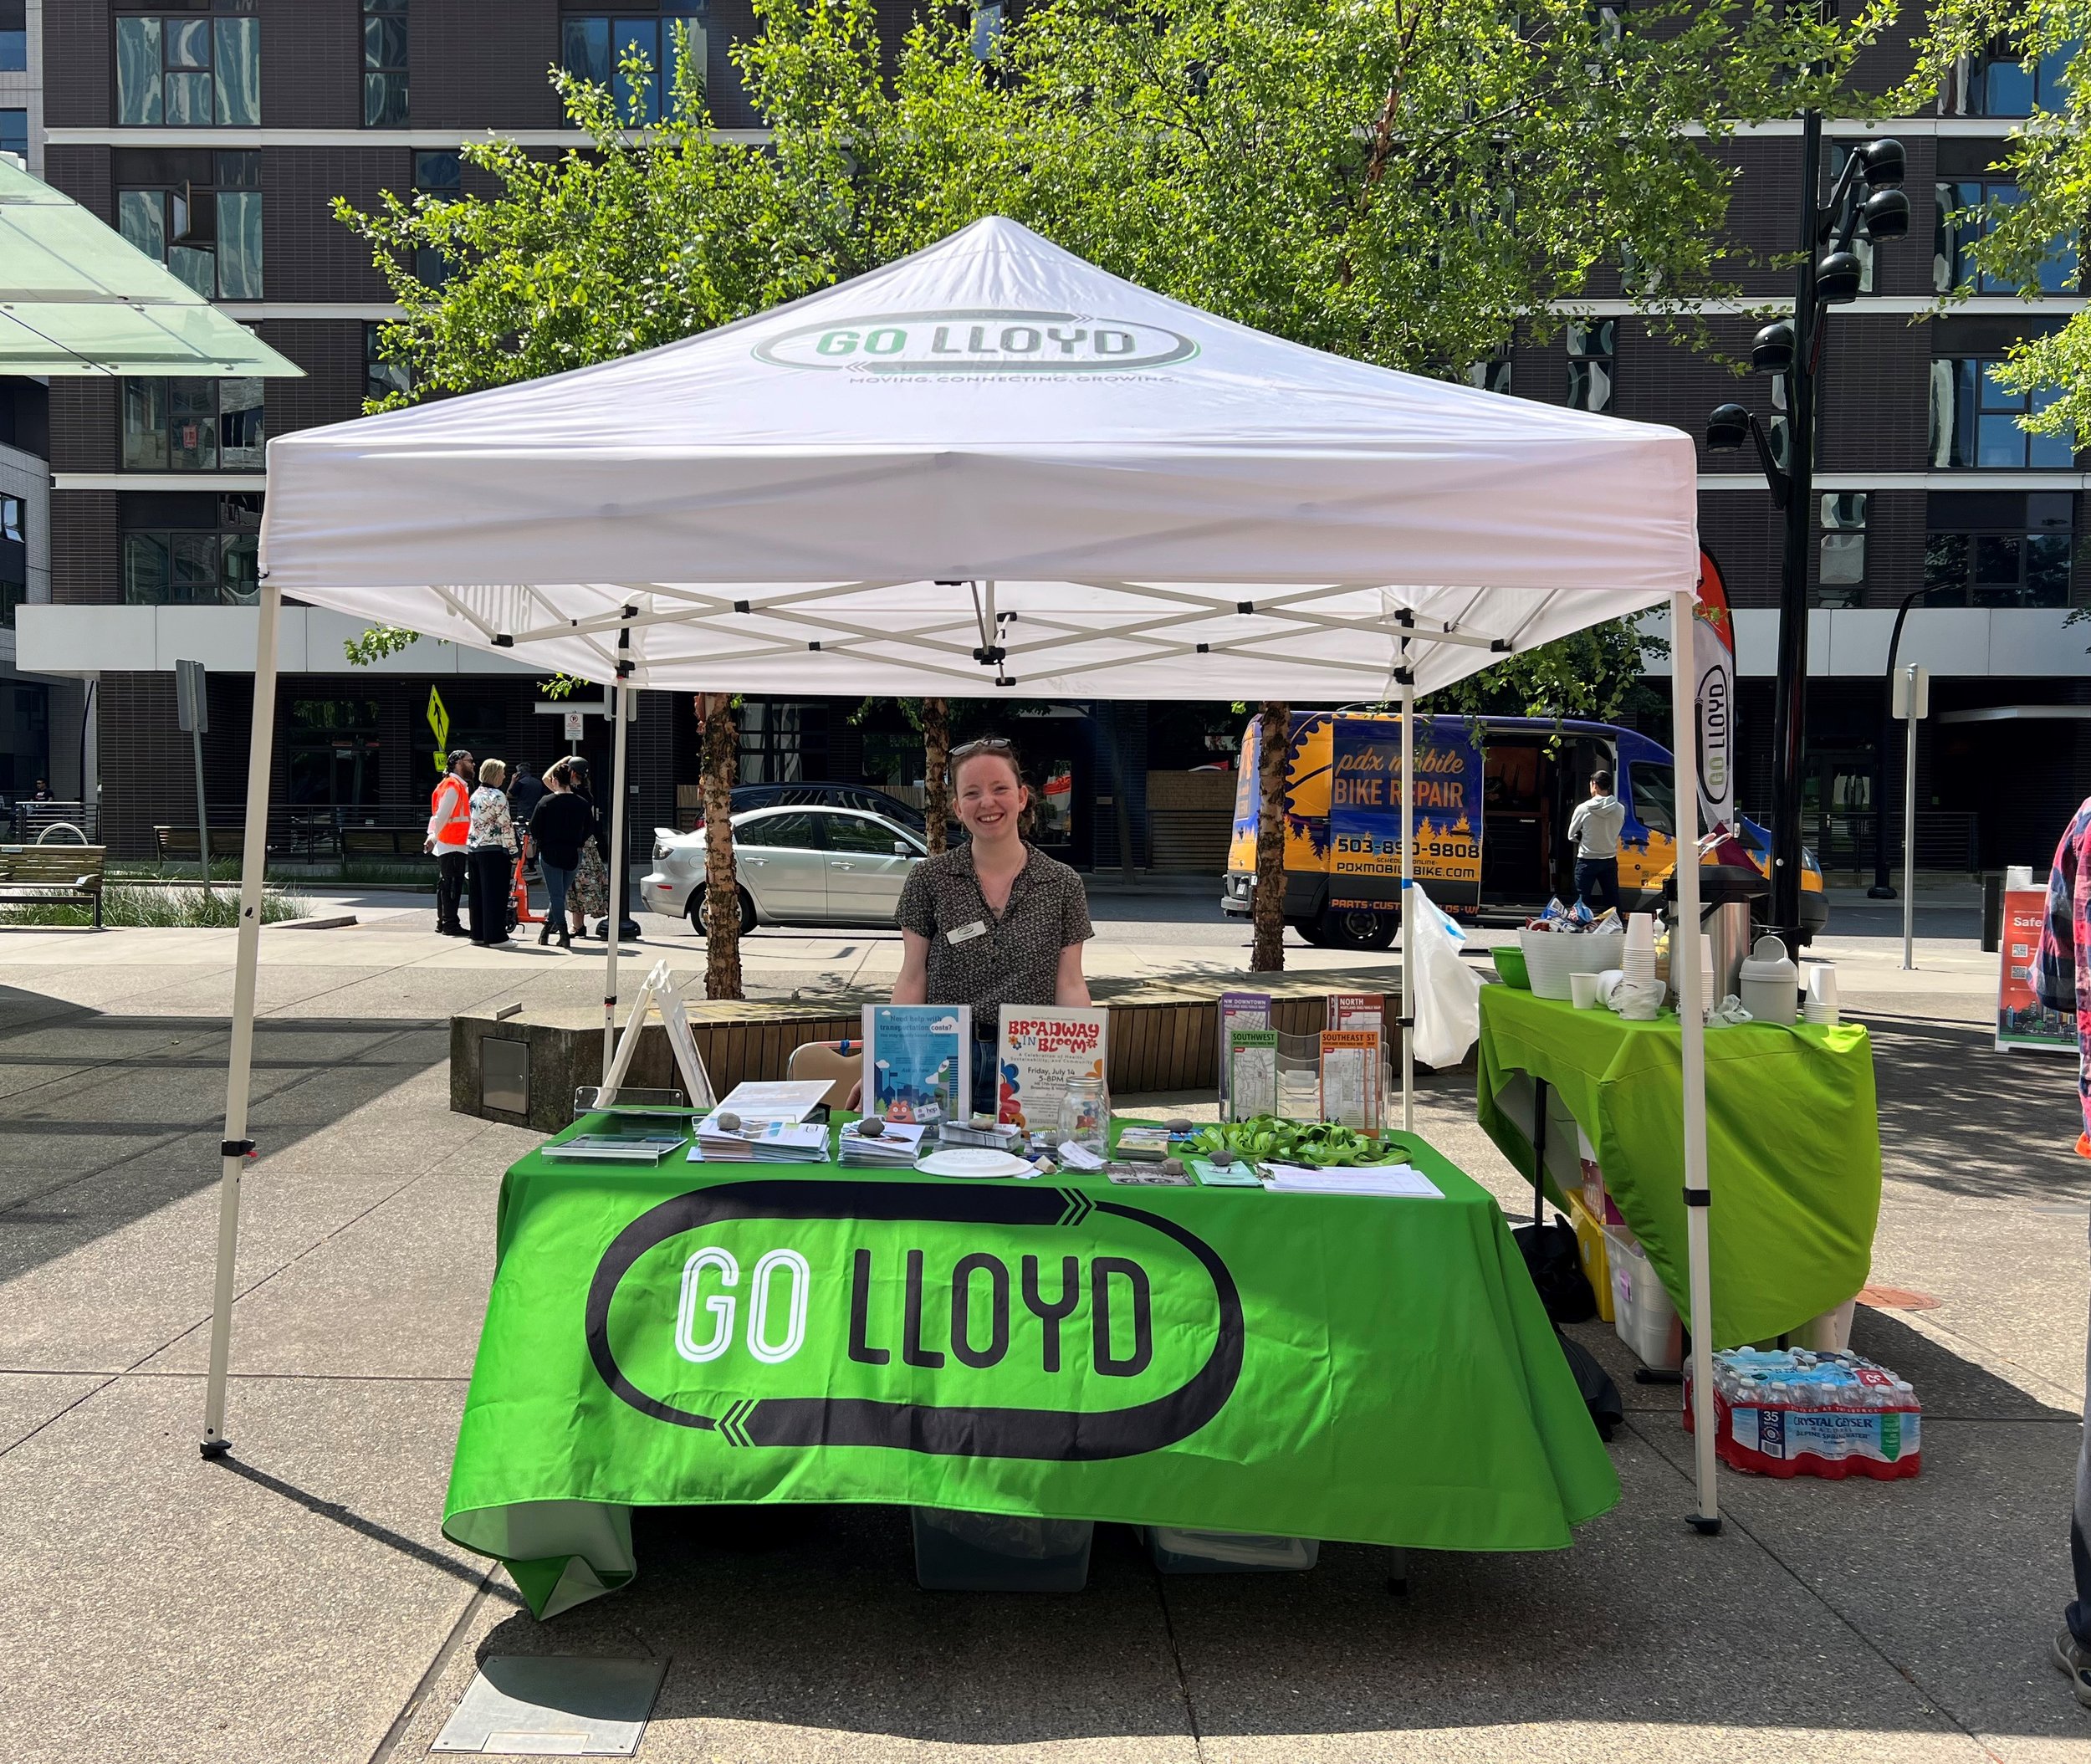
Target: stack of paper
(896, 1147)
(784, 1099)
(623, 1147)
(771, 1142)
(1396, 1178)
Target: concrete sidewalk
(298, 1602)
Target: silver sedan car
(796, 866)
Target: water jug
(1769, 982)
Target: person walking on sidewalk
(525, 791)
(561, 825)
(2062, 980)
(490, 853)
(449, 823)
(1594, 827)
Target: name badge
(961, 933)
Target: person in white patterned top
(490, 855)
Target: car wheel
(1311, 929)
(1357, 927)
(701, 910)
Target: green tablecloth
(1792, 1146)
(1353, 1367)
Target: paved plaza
(298, 1602)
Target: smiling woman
(996, 922)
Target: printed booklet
(918, 1062)
(1043, 1050)
(1238, 1010)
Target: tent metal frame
(709, 613)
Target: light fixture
(1885, 215)
(1886, 164)
(1773, 352)
(1727, 429)
(1837, 279)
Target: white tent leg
(1408, 877)
(1684, 978)
(613, 928)
(236, 1146)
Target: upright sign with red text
(2022, 1019)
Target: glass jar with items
(1085, 1115)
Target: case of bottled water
(1790, 1412)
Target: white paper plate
(972, 1161)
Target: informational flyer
(1350, 1078)
(1043, 1050)
(1239, 1010)
(1357, 1010)
(2022, 1019)
(1252, 1073)
(917, 1063)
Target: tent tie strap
(1699, 1197)
(236, 1149)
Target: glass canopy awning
(76, 298)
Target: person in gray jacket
(1595, 829)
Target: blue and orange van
(1493, 799)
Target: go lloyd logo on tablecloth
(977, 340)
(1018, 1308)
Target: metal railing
(54, 822)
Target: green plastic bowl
(1509, 965)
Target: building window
(211, 237)
(14, 557)
(592, 46)
(1999, 550)
(192, 426)
(441, 177)
(1843, 567)
(330, 752)
(1997, 83)
(1862, 247)
(382, 378)
(384, 64)
(185, 72)
(988, 23)
(1974, 203)
(190, 551)
(14, 41)
(1491, 375)
(1591, 364)
(1975, 421)
(14, 134)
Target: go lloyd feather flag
(1713, 660)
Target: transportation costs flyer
(1043, 1050)
(918, 1066)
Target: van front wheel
(1355, 928)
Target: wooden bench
(180, 842)
(53, 875)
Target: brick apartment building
(217, 133)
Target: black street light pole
(1792, 348)
(1883, 888)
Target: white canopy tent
(989, 469)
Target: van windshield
(1654, 789)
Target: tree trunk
(721, 753)
(1274, 746)
(936, 762)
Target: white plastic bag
(1448, 992)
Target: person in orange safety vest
(449, 820)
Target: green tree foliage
(2048, 155)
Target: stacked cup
(1821, 1006)
(1639, 994)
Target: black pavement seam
(1728, 1518)
(60, 1415)
(1176, 1660)
(396, 1735)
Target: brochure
(918, 1062)
(777, 1100)
(1043, 1050)
(1239, 1010)
(1357, 1010)
(1350, 1078)
(620, 1148)
(1252, 1073)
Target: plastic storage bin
(1229, 1553)
(1642, 1312)
(1596, 1263)
(996, 1552)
